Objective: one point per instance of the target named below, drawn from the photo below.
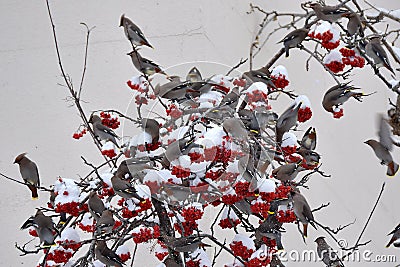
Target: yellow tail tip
(271, 212)
(35, 198)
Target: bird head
(94, 118)
(19, 158)
(319, 239)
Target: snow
(199, 168)
(246, 241)
(334, 55)
(178, 133)
(396, 50)
(229, 213)
(109, 146)
(140, 139)
(233, 166)
(87, 219)
(280, 70)
(143, 191)
(66, 185)
(213, 137)
(201, 255)
(260, 253)
(289, 139)
(184, 161)
(210, 99)
(123, 249)
(267, 186)
(394, 83)
(260, 86)
(98, 263)
(106, 177)
(305, 102)
(160, 176)
(70, 234)
(320, 27)
(139, 80)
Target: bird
(354, 24)
(152, 127)
(287, 172)
(287, 120)
(395, 237)
(124, 188)
(309, 139)
(337, 95)
(328, 13)
(194, 75)
(133, 32)
(175, 89)
(106, 222)
(294, 39)
(106, 255)
(44, 227)
(29, 172)
(178, 148)
(374, 50)
(101, 131)
(270, 228)
(232, 98)
(383, 147)
(276, 262)
(249, 120)
(234, 127)
(63, 215)
(96, 205)
(183, 244)
(310, 158)
(248, 171)
(174, 193)
(260, 75)
(170, 262)
(327, 254)
(144, 65)
(133, 168)
(219, 114)
(302, 210)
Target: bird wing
(133, 29)
(385, 137)
(107, 130)
(380, 52)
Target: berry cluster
(109, 121)
(79, 134)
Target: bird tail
(359, 96)
(391, 241)
(286, 51)
(305, 229)
(392, 168)
(34, 191)
(386, 65)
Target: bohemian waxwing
(327, 254)
(328, 13)
(395, 237)
(144, 65)
(29, 172)
(133, 32)
(294, 39)
(96, 205)
(106, 255)
(101, 131)
(375, 51)
(302, 211)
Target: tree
(250, 143)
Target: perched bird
(63, 215)
(294, 39)
(144, 65)
(183, 244)
(270, 228)
(231, 99)
(29, 172)
(178, 148)
(327, 254)
(247, 169)
(96, 205)
(152, 127)
(383, 147)
(101, 131)
(234, 127)
(133, 168)
(310, 158)
(175, 89)
(354, 24)
(302, 210)
(44, 227)
(287, 172)
(286, 121)
(374, 50)
(194, 75)
(124, 189)
(260, 75)
(395, 237)
(219, 114)
(106, 255)
(339, 94)
(106, 222)
(133, 32)
(328, 13)
(249, 120)
(174, 193)
(309, 139)
(276, 262)
(169, 262)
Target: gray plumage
(44, 227)
(234, 127)
(339, 94)
(383, 147)
(101, 131)
(354, 24)
(169, 262)
(231, 99)
(286, 121)
(287, 172)
(175, 89)
(260, 75)
(144, 65)
(294, 39)
(194, 75)
(152, 127)
(96, 205)
(133, 168)
(133, 32)
(182, 244)
(276, 262)
(249, 120)
(395, 237)
(29, 172)
(309, 139)
(219, 114)
(270, 228)
(327, 254)
(176, 149)
(106, 255)
(374, 50)
(311, 158)
(105, 223)
(124, 188)
(302, 211)
(328, 13)
(247, 170)
(174, 193)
